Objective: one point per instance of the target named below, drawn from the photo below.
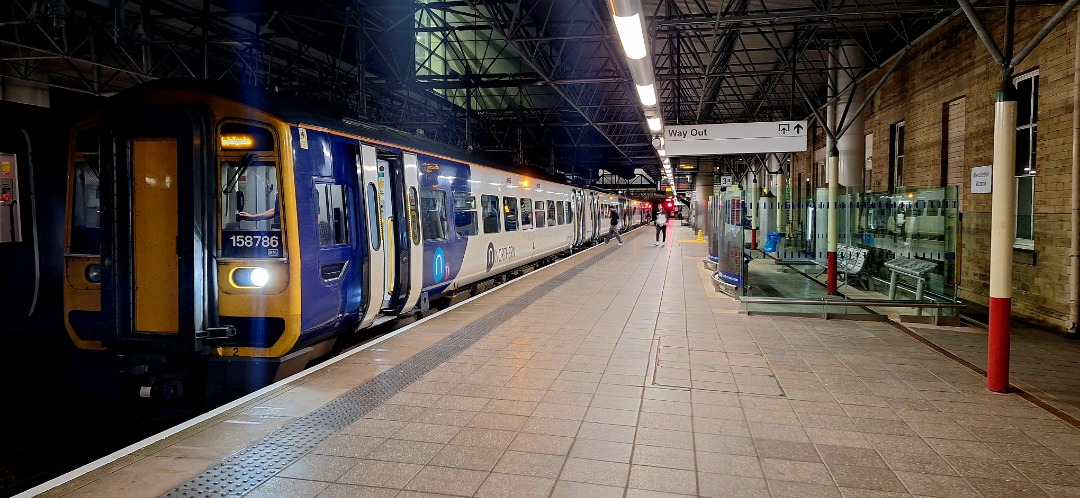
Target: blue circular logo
(438, 265)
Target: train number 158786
(268, 241)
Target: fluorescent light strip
(654, 123)
(633, 40)
(647, 93)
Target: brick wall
(935, 73)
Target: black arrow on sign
(798, 127)
(784, 128)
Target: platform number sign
(725, 181)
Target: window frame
(484, 198)
(1025, 179)
(343, 191)
(475, 225)
(897, 136)
(539, 213)
(524, 211)
(444, 220)
(508, 204)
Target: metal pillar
(753, 210)
(834, 218)
(852, 143)
(703, 190)
(781, 192)
(1002, 235)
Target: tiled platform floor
(636, 379)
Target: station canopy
(534, 83)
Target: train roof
(298, 110)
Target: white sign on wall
(725, 181)
(982, 178)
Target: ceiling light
(647, 93)
(630, 32)
(654, 123)
(662, 152)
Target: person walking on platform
(661, 227)
(614, 228)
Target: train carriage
(227, 236)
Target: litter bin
(772, 239)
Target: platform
(621, 372)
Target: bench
(850, 262)
(909, 267)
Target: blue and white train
(227, 236)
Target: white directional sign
(736, 138)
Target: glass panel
(86, 204)
(560, 215)
(541, 218)
(250, 208)
(900, 139)
(414, 217)
(1023, 101)
(490, 206)
(1025, 207)
(374, 217)
(331, 214)
(526, 213)
(433, 216)
(510, 213)
(1035, 100)
(569, 212)
(464, 201)
(1023, 151)
(249, 194)
(1034, 145)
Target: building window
(896, 155)
(1027, 117)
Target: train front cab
(145, 254)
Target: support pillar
(753, 211)
(852, 143)
(834, 218)
(703, 190)
(781, 192)
(1002, 235)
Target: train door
(388, 162)
(367, 171)
(410, 250)
(155, 170)
(579, 225)
(403, 255)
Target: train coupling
(217, 333)
(157, 377)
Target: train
(221, 237)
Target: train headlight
(251, 278)
(93, 274)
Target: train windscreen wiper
(245, 161)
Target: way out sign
(982, 178)
(736, 138)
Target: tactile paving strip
(256, 464)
